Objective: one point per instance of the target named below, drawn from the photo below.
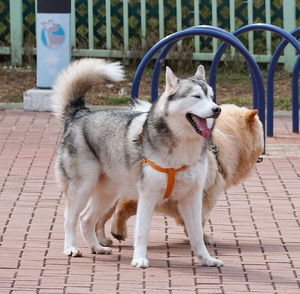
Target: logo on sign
(53, 34)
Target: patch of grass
(230, 76)
(162, 80)
(117, 101)
(16, 97)
(283, 103)
(237, 101)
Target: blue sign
(53, 46)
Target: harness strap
(215, 150)
(170, 171)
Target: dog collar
(170, 171)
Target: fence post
(289, 24)
(16, 31)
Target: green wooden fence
(128, 28)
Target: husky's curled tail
(73, 82)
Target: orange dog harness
(170, 171)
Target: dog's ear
(200, 73)
(171, 80)
(250, 115)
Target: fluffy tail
(73, 83)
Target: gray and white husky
(101, 155)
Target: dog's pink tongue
(202, 126)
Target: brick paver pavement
(256, 224)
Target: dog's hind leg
(77, 196)
(71, 216)
(77, 191)
(125, 209)
(189, 207)
(97, 206)
(100, 227)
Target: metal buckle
(214, 149)
(259, 159)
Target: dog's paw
(210, 261)
(72, 251)
(119, 237)
(119, 234)
(101, 250)
(209, 239)
(140, 262)
(106, 242)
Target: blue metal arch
(259, 26)
(270, 87)
(209, 31)
(295, 95)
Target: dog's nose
(217, 110)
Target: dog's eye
(197, 96)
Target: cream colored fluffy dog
(238, 134)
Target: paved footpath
(256, 224)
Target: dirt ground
(231, 87)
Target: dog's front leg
(146, 204)
(191, 209)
